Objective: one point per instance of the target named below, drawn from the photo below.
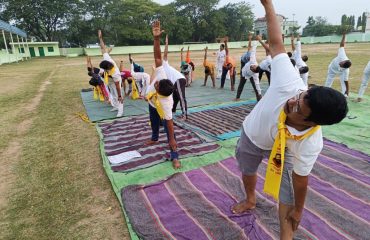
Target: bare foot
(176, 164)
(203, 85)
(359, 99)
(151, 142)
(242, 206)
(236, 99)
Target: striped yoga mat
(123, 135)
(221, 123)
(196, 204)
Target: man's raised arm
(250, 35)
(273, 29)
(101, 42)
(292, 42)
(264, 45)
(157, 33)
(226, 39)
(343, 42)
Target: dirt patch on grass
(11, 154)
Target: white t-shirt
(261, 124)
(166, 102)
(171, 73)
(334, 65)
(116, 76)
(367, 68)
(220, 57)
(298, 56)
(246, 70)
(266, 63)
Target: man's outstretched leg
(250, 189)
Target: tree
(364, 19)
(40, 18)
(359, 22)
(319, 26)
(238, 20)
(198, 13)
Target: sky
(301, 10)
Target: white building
(367, 29)
(260, 25)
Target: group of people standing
(284, 126)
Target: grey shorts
(249, 157)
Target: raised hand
(156, 29)
(166, 40)
(226, 39)
(100, 35)
(259, 37)
(250, 35)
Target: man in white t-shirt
(250, 70)
(114, 77)
(164, 89)
(142, 78)
(220, 60)
(300, 60)
(340, 66)
(365, 80)
(179, 81)
(304, 110)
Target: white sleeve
(283, 73)
(342, 54)
(253, 58)
(160, 73)
(132, 68)
(307, 153)
(298, 50)
(107, 57)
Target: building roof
(9, 28)
(263, 19)
(36, 43)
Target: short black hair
(222, 45)
(165, 87)
(347, 64)
(106, 65)
(305, 58)
(328, 106)
(303, 70)
(258, 69)
(289, 54)
(293, 62)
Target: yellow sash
(96, 93)
(154, 97)
(275, 163)
(101, 96)
(107, 74)
(135, 91)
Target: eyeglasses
(297, 106)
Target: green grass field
(52, 184)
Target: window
(21, 50)
(50, 49)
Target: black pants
(179, 95)
(241, 82)
(223, 77)
(268, 74)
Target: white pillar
(13, 47)
(6, 46)
(24, 47)
(19, 47)
(28, 48)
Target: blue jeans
(155, 122)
